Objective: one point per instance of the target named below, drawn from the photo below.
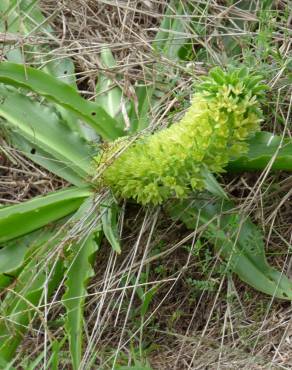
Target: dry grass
(187, 326)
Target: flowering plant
(224, 112)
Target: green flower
(223, 113)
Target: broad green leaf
(23, 16)
(11, 258)
(108, 95)
(44, 159)
(64, 70)
(5, 281)
(61, 93)
(41, 126)
(78, 273)
(171, 35)
(15, 252)
(26, 20)
(263, 148)
(25, 217)
(19, 307)
(237, 240)
(141, 119)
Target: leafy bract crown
(172, 162)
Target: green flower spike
(224, 112)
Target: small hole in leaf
(65, 72)
(93, 113)
(32, 151)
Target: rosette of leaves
(172, 164)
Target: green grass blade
(263, 148)
(23, 218)
(238, 241)
(42, 126)
(78, 274)
(63, 94)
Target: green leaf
(25, 18)
(172, 32)
(109, 218)
(64, 70)
(23, 218)
(22, 17)
(5, 281)
(61, 93)
(212, 185)
(11, 258)
(44, 159)
(13, 255)
(147, 299)
(78, 273)
(108, 94)
(263, 148)
(141, 119)
(20, 305)
(41, 126)
(237, 240)
(55, 357)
